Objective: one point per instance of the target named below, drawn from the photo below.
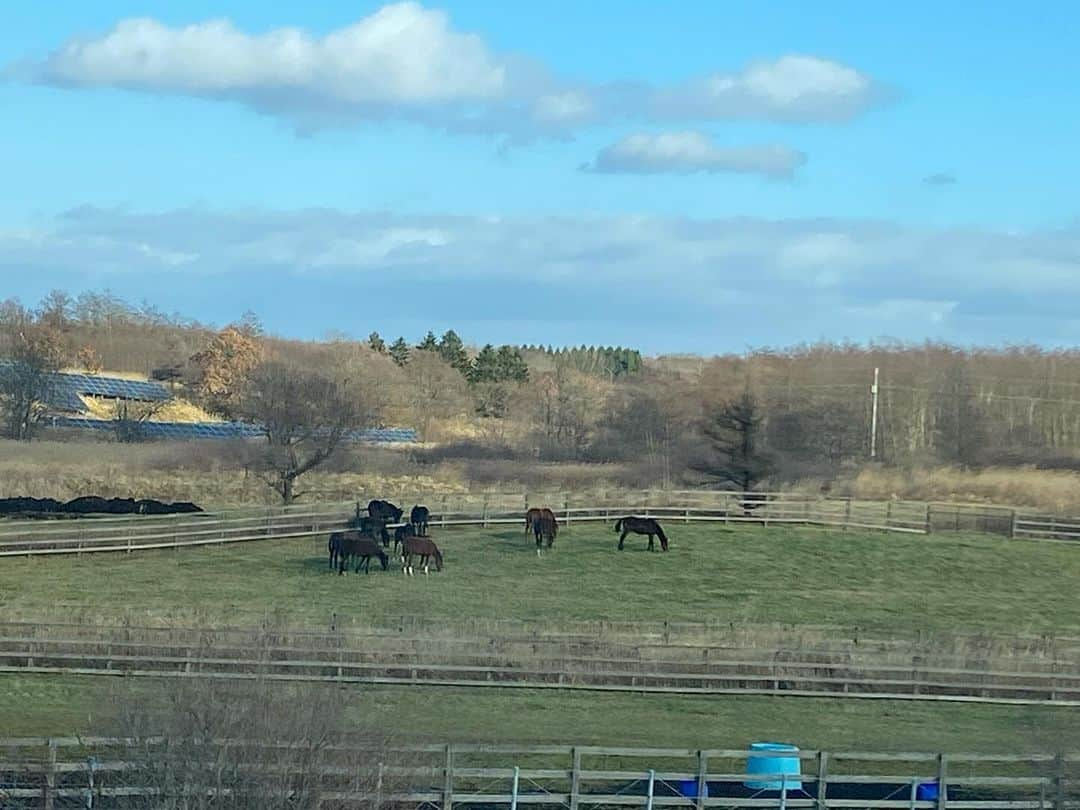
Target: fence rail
(106, 772)
(535, 663)
(137, 533)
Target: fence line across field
(403, 660)
(98, 771)
(136, 533)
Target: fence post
(514, 792)
(1059, 781)
(822, 778)
(566, 508)
(703, 769)
(49, 788)
(652, 787)
(448, 779)
(914, 794)
(575, 777)
(1012, 525)
(485, 512)
(847, 514)
(379, 787)
(928, 525)
(941, 788)
(888, 513)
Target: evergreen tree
(485, 368)
(735, 435)
(512, 366)
(452, 351)
(429, 343)
(399, 352)
(377, 343)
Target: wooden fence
(393, 657)
(107, 772)
(137, 533)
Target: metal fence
(106, 773)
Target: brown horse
(545, 527)
(355, 545)
(423, 548)
(641, 525)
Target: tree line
(805, 411)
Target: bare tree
(34, 354)
(209, 744)
(305, 417)
(435, 389)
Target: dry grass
(1050, 490)
(177, 410)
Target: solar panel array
(65, 388)
(186, 431)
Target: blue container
(688, 789)
(788, 766)
(927, 791)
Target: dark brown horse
(641, 525)
(545, 527)
(530, 516)
(357, 546)
(423, 548)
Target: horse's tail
(661, 535)
(438, 558)
(618, 524)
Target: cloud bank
(408, 62)
(661, 283)
(689, 152)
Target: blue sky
(697, 176)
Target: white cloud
(407, 61)
(401, 54)
(792, 88)
(749, 280)
(686, 152)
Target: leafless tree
(305, 418)
(34, 354)
(207, 744)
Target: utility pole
(873, 416)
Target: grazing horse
(354, 545)
(419, 519)
(403, 533)
(423, 548)
(545, 527)
(384, 510)
(641, 525)
(531, 516)
(372, 527)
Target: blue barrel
(788, 766)
(688, 789)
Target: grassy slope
(38, 706)
(883, 583)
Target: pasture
(44, 705)
(884, 584)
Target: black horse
(384, 510)
(419, 518)
(354, 545)
(403, 533)
(641, 525)
(372, 527)
(545, 527)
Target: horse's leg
(426, 558)
(622, 538)
(651, 543)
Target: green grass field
(42, 706)
(878, 582)
(886, 584)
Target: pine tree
(429, 343)
(735, 434)
(452, 351)
(485, 368)
(512, 366)
(377, 343)
(399, 352)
